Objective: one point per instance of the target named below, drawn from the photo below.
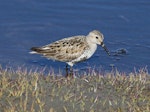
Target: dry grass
(22, 91)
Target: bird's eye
(96, 37)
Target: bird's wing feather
(66, 49)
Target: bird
(72, 50)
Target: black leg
(67, 71)
(71, 71)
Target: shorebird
(72, 49)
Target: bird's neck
(90, 43)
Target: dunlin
(72, 49)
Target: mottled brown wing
(66, 49)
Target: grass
(22, 91)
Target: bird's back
(64, 50)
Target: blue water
(26, 23)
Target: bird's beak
(105, 48)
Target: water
(26, 23)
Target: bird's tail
(35, 50)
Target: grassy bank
(22, 91)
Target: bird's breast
(86, 54)
(90, 51)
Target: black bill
(105, 48)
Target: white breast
(87, 53)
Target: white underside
(86, 55)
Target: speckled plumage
(72, 49)
(65, 50)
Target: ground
(28, 91)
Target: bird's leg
(71, 71)
(67, 71)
